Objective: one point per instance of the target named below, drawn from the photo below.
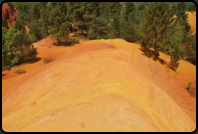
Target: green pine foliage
(192, 7)
(34, 30)
(130, 34)
(36, 11)
(141, 7)
(150, 24)
(105, 10)
(115, 8)
(59, 24)
(190, 49)
(98, 28)
(27, 53)
(8, 47)
(116, 26)
(174, 9)
(129, 8)
(183, 18)
(175, 57)
(92, 9)
(79, 10)
(19, 26)
(158, 24)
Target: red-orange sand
(99, 85)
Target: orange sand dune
(99, 86)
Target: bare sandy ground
(99, 86)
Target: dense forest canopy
(151, 24)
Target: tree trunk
(155, 55)
(155, 49)
(58, 40)
(87, 34)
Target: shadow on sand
(151, 54)
(29, 62)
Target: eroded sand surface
(104, 85)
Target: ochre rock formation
(8, 13)
(97, 87)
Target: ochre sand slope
(97, 87)
(192, 20)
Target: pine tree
(191, 49)
(175, 57)
(36, 11)
(192, 7)
(43, 4)
(34, 30)
(8, 47)
(45, 22)
(129, 32)
(181, 6)
(98, 28)
(58, 22)
(129, 8)
(115, 8)
(19, 26)
(70, 11)
(183, 18)
(174, 8)
(91, 10)
(158, 23)
(105, 10)
(79, 10)
(141, 7)
(25, 47)
(116, 26)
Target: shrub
(19, 71)
(74, 40)
(175, 57)
(48, 59)
(189, 85)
